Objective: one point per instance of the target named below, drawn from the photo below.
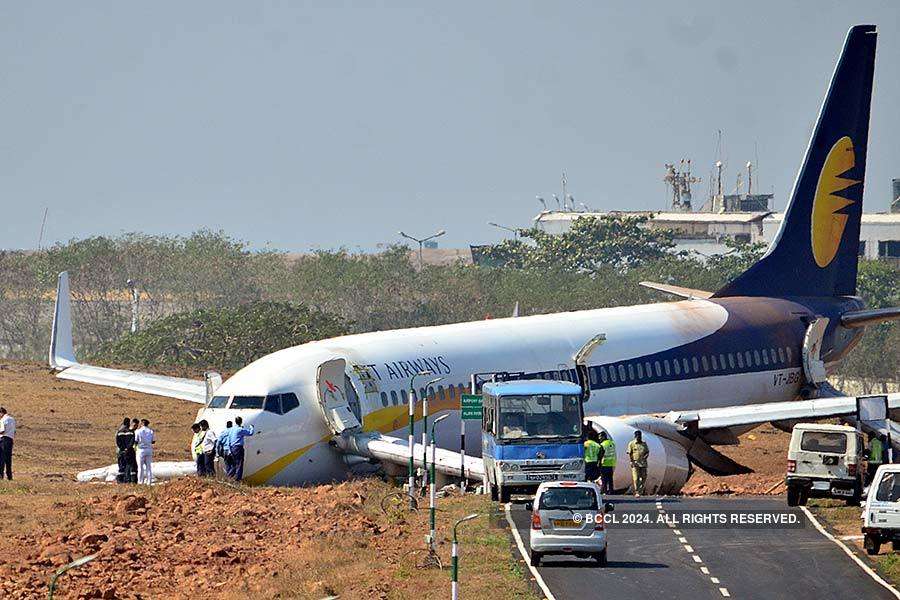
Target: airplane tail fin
(815, 251)
(62, 352)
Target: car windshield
(889, 488)
(541, 415)
(574, 498)
(824, 441)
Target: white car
(881, 514)
(568, 518)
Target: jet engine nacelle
(668, 467)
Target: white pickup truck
(881, 515)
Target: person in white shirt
(209, 449)
(144, 438)
(7, 433)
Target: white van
(881, 517)
(824, 461)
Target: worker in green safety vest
(875, 457)
(592, 452)
(607, 463)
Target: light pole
(425, 429)
(454, 560)
(412, 433)
(439, 233)
(514, 230)
(432, 497)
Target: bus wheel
(493, 492)
(504, 495)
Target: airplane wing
(62, 359)
(394, 450)
(754, 414)
(676, 290)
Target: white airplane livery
(689, 374)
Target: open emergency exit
(333, 398)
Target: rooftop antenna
(555, 197)
(43, 222)
(565, 195)
(543, 203)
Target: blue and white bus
(531, 432)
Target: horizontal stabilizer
(864, 318)
(676, 290)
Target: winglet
(62, 352)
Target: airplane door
(330, 378)
(813, 365)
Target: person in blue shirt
(236, 441)
(223, 448)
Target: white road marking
(689, 548)
(850, 538)
(704, 570)
(714, 579)
(537, 576)
(682, 540)
(724, 592)
(676, 532)
(697, 558)
(850, 553)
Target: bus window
(541, 415)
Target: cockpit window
(289, 402)
(273, 404)
(218, 402)
(240, 402)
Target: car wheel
(793, 495)
(600, 557)
(853, 501)
(872, 544)
(535, 558)
(504, 495)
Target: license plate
(565, 523)
(821, 485)
(541, 477)
(841, 492)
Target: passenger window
(676, 365)
(648, 370)
(451, 392)
(289, 402)
(740, 359)
(603, 374)
(422, 394)
(749, 358)
(441, 392)
(687, 366)
(218, 402)
(462, 389)
(612, 374)
(774, 356)
(755, 357)
(731, 359)
(765, 357)
(630, 372)
(404, 397)
(393, 397)
(781, 355)
(640, 371)
(788, 352)
(705, 363)
(621, 373)
(431, 395)
(593, 375)
(658, 369)
(723, 363)
(715, 363)
(666, 365)
(384, 399)
(273, 404)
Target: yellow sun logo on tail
(827, 223)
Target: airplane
(690, 374)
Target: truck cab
(531, 433)
(824, 461)
(881, 516)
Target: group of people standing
(134, 445)
(600, 460)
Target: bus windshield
(538, 416)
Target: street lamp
(422, 241)
(412, 432)
(425, 429)
(432, 497)
(454, 560)
(514, 230)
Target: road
(707, 563)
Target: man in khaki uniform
(638, 453)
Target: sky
(298, 126)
